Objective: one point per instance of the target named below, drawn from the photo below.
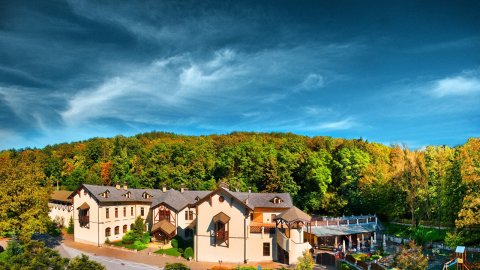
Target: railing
(258, 229)
(221, 236)
(282, 240)
(83, 220)
(345, 220)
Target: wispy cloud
(456, 86)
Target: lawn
(170, 252)
(137, 245)
(420, 234)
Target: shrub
(188, 253)
(139, 245)
(174, 243)
(70, 228)
(128, 238)
(176, 266)
(454, 239)
(246, 268)
(107, 241)
(146, 238)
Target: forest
(435, 185)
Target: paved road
(110, 263)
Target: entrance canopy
(164, 226)
(337, 230)
(293, 214)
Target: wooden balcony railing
(83, 220)
(221, 236)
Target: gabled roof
(264, 199)
(188, 198)
(61, 196)
(222, 217)
(165, 226)
(117, 195)
(178, 200)
(294, 214)
(84, 206)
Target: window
(273, 217)
(221, 199)
(266, 249)
(117, 230)
(131, 226)
(124, 211)
(108, 232)
(131, 211)
(189, 215)
(107, 213)
(142, 211)
(188, 233)
(125, 228)
(116, 212)
(251, 217)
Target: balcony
(84, 220)
(221, 236)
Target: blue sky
(386, 71)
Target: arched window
(131, 226)
(117, 230)
(108, 232)
(125, 228)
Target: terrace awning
(323, 231)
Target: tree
(138, 227)
(34, 255)
(24, 193)
(71, 227)
(305, 262)
(411, 257)
(83, 262)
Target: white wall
(206, 249)
(88, 235)
(61, 212)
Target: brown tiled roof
(222, 217)
(165, 226)
(61, 196)
(294, 214)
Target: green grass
(420, 234)
(136, 245)
(170, 252)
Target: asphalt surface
(110, 263)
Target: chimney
(182, 188)
(125, 186)
(164, 188)
(118, 185)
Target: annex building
(224, 225)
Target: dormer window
(106, 194)
(128, 195)
(145, 195)
(276, 200)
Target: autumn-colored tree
(411, 257)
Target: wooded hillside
(324, 175)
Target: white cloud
(456, 86)
(313, 81)
(344, 124)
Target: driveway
(110, 263)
